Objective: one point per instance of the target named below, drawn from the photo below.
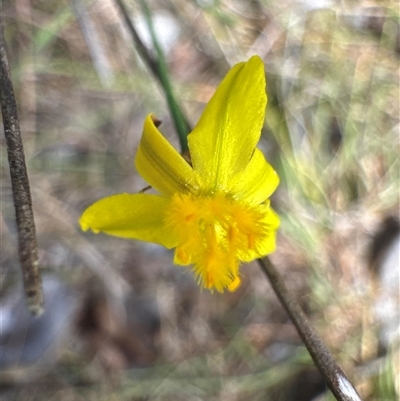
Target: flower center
(215, 233)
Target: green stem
(158, 67)
(179, 120)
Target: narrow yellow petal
(138, 216)
(257, 182)
(224, 139)
(234, 285)
(160, 164)
(266, 244)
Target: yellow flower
(216, 213)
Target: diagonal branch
(28, 252)
(323, 359)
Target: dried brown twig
(28, 252)
(323, 359)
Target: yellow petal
(267, 243)
(257, 182)
(160, 164)
(138, 216)
(234, 285)
(223, 141)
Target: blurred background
(122, 322)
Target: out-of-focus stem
(93, 42)
(28, 252)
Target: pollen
(215, 233)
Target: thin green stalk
(158, 67)
(181, 126)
